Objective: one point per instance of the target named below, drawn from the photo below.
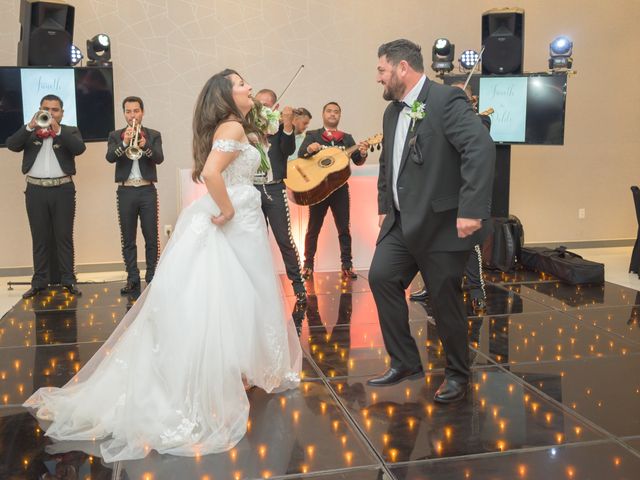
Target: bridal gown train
(170, 377)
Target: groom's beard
(394, 90)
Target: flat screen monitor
(528, 109)
(86, 92)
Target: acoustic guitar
(311, 180)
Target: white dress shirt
(299, 140)
(402, 128)
(46, 164)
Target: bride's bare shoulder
(231, 130)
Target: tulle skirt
(171, 376)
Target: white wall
(164, 50)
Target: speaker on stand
(503, 41)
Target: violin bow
(279, 98)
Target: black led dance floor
(555, 392)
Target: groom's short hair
(403, 49)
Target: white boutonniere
(417, 113)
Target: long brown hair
(215, 105)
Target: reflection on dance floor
(555, 390)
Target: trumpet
(132, 151)
(43, 119)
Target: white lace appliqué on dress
(170, 376)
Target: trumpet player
(136, 150)
(48, 161)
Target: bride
(173, 374)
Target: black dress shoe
(32, 292)
(450, 391)
(419, 296)
(394, 376)
(131, 288)
(349, 272)
(72, 290)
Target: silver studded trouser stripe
(275, 207)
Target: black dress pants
(133, 203)
(275, 207)
(339, 204)
(51, 212)
(392, 269)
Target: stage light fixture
(442, 56)
(76, 55)
(560, 51)
(468, 59)
(99, 50)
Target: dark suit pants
(392, 269)
(51, 212)
(275, 207)
(142, 202)
(339, 204)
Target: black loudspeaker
(503, 41)
(46, 33)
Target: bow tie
(332, 136)
(400, 105)
(45, 133)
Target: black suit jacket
(446, 172)
(151, 156)
(65, 146)
(282, 145)
(316, 136)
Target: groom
(434, 189)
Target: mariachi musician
(273, 194)
(50, 149)
(338, 201)
(136, 150)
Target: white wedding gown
(170, 377)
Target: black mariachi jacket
(316, 136)
(66, 146)
(282, 145)
(151, 156)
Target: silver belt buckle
(47, 182)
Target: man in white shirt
(434, 193)
(48, 161)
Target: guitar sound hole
(326, 162)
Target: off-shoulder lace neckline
(230, 142)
